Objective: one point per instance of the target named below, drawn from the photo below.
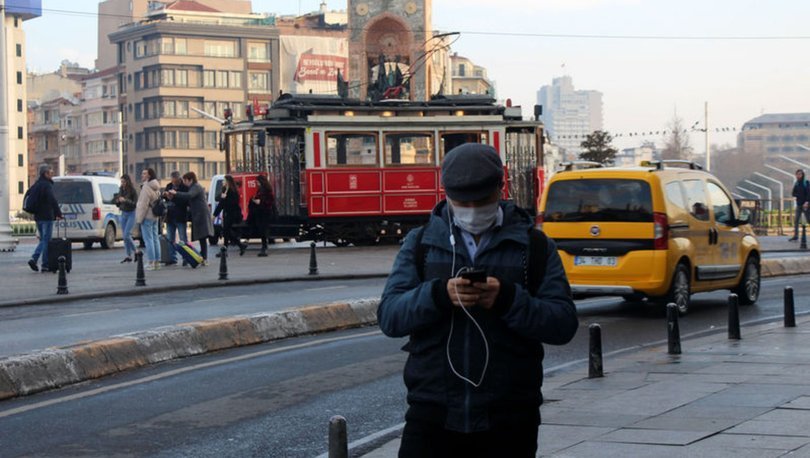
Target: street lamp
(781, 196)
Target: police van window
(599, 200)
(674, 195)
(721, 205)
(353, 149)
(696, 199)
(108, 192)
(73, 192)
(409, 149)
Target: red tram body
(351, 172)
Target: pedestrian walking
(801, 192)
(478, 291)
(195, 198)
(262, 211)
(41, 202)
(126, 200)
(145, 215)
(228, 205)
(176, 216)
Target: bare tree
(676, 143)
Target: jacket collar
(515, 227)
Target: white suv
(87, 205)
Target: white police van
(88, 208)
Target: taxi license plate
(606, 261)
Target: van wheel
(109, 237)
(87, 245)
(680, 291)
(748, 289)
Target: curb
(54, 368)
(784, 266)
(141, 291)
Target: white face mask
(476, 220)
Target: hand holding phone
(475, 276)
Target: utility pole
(120, 144)
(706, 131)
(7, 241)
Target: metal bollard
(62, 287)
(313, 261)
(223, 263)
(338, 439)
(803, 244)
(673, 330)
(733, 317)
(595, 352)
(790, 311)
(140, 276)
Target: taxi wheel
(109, 237)
(680, 291)
(748, 289)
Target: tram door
(521, 162)
(283, 160)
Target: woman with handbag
(263, 211)
(146, 216)
(126, 200)
(228, 205)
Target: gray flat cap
(471, 171)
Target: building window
(209, 78)
(180, 46)
(181, 78)
(20, 160)
(210, 139)
(183, 140)
(19, 106)
(219, 48)
(258, 52)
(16, 21)
(19, 78)
(19, 133)
(236, 80)
(20, 187)
(19, 50)
(222, 79)
(167, 77)
(462, 70)
(258, 81)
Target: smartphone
(475, 276)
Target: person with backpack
(41, 202)
(801, 192)
(148, 211)
(478, 291)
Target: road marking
(325, 288)
(97, 312)
(222, 298)
(172, 373)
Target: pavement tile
(755, 441)
(703, 378)
(802, 402)
(655, 398)
(777, 422)
(552, 438)
(696, 410)
(750, 395)
(618, 380)
(654, 436)
(710, 425)
(584, 418)
(698, 450)
(803, 452)
(616, 449)
(745, 368)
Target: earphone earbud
(452, 239)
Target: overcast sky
(644, 80)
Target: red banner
(320, 67)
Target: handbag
(158, 208)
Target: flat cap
(471, 171)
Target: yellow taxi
(661, 231)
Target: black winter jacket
(801, 191)
(515, 328)
(176, 209)
(47, 206)
(229, 206)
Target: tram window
(409, 149)
(451, 140)
(356, 149)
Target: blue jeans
(149, 232)
(127, 224)
(45, 229)
(173, 230)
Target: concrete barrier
(53, 368)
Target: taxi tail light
(661, 231)
(96, 214)
(538, 220)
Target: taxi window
(73, 192)
(696, 199)
(675, 195)
(721, 205)
(600, 200)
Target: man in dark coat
(201, 225)
(46, 211)
(474, 369)
(801, 192)
(176, 216)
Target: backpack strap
(536, 259)
(420, 253)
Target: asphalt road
(275, 399)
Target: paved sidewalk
(720, 398)
(98, 273)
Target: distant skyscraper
(569, 115)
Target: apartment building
(469, 78)
(54, 135)
(772, 135)
(98, 124)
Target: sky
(651, 59)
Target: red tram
(364, 172)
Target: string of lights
(646, 134)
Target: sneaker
(45, 269)
(204, 263)
(793, 239)
(262, 254)
(33, 265)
